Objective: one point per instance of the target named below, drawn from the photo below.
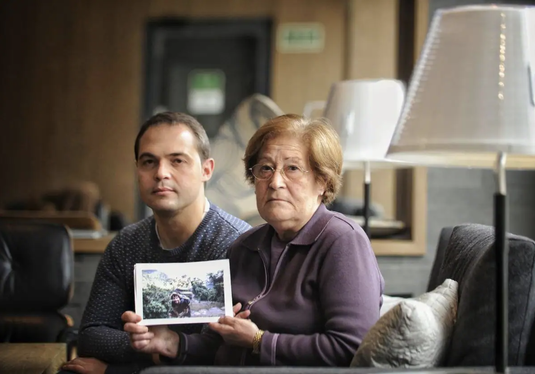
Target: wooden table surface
(92, 245)
(31, 358)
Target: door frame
(157, 32)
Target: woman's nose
(277, 180)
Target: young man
(173, 162)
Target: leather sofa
(36, 281)
(464, 254)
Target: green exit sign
(300, 37)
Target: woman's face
(287, 202)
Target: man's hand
(237, 330)
(151, 340)
(85, 365)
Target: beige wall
(71, 84)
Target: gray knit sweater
(101, 331)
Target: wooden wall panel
(211, 8)
(74, 73)
(422, 24)
(296, 77)
(302, 77)
(372, 54)
(72, 78)
(373, 39)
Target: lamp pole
(501, 249)
(367, 197)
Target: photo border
(178, 268)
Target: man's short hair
(177, 118)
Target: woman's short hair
(321, 140)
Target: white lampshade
(365, 113)
(471, 94)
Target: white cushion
(414, 333)
(389, 302)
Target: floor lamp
(365, 113)
(470, 103)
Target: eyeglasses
(265, 172)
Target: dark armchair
(36, 281)
(465, 253)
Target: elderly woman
(308, 280)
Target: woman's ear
(322, 187)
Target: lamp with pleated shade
(470, 103)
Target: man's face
(169, 169)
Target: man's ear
(207, 169)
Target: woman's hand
(151, 340)
(243, 314)
(237, 330)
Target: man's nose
(163, 171)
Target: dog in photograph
(180, 305)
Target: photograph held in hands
(182, 293)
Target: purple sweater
(325, 294)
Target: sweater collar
(206, 210)
(306, 236)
